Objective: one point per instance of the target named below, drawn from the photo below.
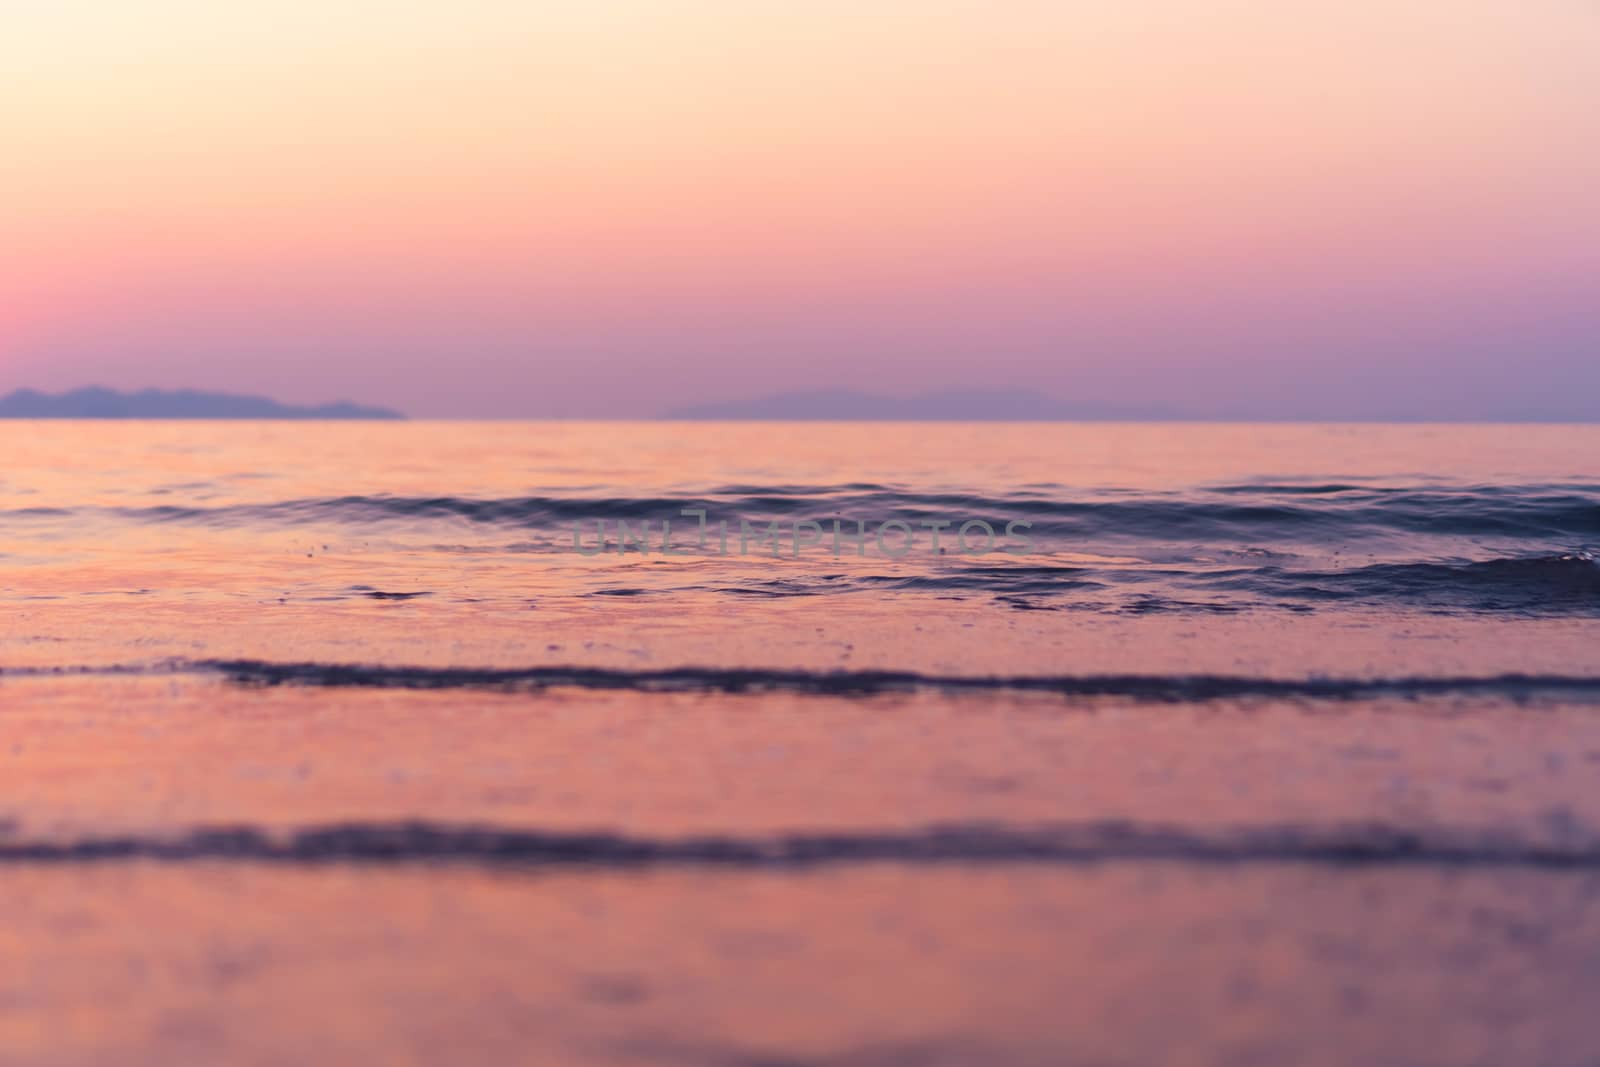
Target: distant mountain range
(964, 405)
(1023, 405)
(97, 403)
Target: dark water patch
(1557, 584)
(428, 843)
(1298, 489)
(1007, 580)
(1158, 605)
(1537, 584)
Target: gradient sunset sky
(609, 208)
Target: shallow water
(1276, 744)
(1101, 519)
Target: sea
(802, 744)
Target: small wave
(1180, 688)
(1163, 688)
(1233, 513)
(421, 842)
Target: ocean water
(799, 744)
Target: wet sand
(143, 963)
(1411, 881)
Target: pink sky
(611, 208)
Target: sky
(608, 208)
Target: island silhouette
(95, 402)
